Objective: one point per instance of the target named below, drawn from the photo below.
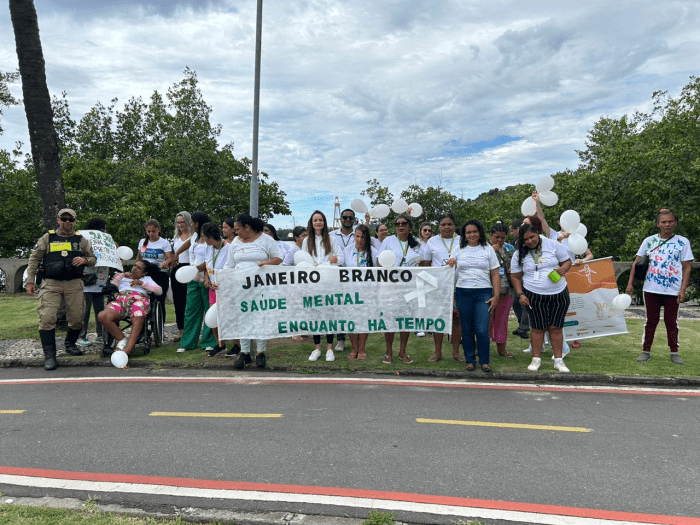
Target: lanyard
(357, 258)
(536, 256)
(449, 250)
(405, 251)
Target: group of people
(491, 277)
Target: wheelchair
(152, 333)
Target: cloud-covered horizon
(408, 92)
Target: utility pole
(256, 114)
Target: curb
(476, 377)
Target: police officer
(64, 254)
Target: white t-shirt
(154, 252)
(474, 265)
(321, 257)
(441, 249)
(665, 273)
(405, 255)
(149, 285)
(536, 274)
(249, 254)
(216, 259)
(289, 257)
(184, 257)
(355, 258)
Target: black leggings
(329, 339)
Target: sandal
(352, 355)
(485, 368)
(506, 353)
(459, 358)
(386, 359)
(406, 359)
(434, 358)
(471, 367)
(361, 355)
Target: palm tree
(37, 106)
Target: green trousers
(197, 306)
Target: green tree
(6, 98)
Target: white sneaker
(330, 356)
(121, 345)
(528, 350)
(535, 365)
(181, 350)
(209, 348)
(339, 347)
(420, 334)
(559, 365)
(315, 355)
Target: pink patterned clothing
(133, 300)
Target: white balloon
(569, 220)
(549, 198)
(359, 206)
(387, 258)
(399, 205)
(622, 302)
(304, 264)
(582, 230)
(416, 209)
(302, 256)
(186, 274)
(545, 184)
(210, 318)
(577, 244)
(120, 358)
(381, 211)
(125, 253)
(528, 207)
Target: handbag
(642, 267)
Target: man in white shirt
(344, 236)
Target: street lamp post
(256, 114)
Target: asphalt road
(620, 451)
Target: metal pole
(256, 114)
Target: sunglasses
(348, 218)
(67, 219)
(403, 223)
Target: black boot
(48, 343)
(71, 338)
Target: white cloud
(359, 90)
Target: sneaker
(209, 349)
(216, 350)
(315, 355)
(644, 356)
(676, 358)
(330, 356)
(339, 347)
(523, 334)
(233, 352)
(535, 365)
(420, 334)
(528, 350)
(181, 350)
(260, 360)
(84, 342)
(243, 359)
(559, 365)
(121, 345)
(563, 354)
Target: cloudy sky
(471, 95)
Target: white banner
(592, 287)
(104, 248)
(281, 301)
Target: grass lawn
(613, 355)
(88, 515)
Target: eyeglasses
(402, 223)
(67, 219)
(427, 230)
(348, 218)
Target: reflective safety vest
(58, 260)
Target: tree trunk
(37, 105)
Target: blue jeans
(474, 316)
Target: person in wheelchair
(133, 301)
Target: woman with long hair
(183, 232)
(440, 249)
(216, 257)
(156, 250)
(359, 254)
(197, 294)
(498, 325)
(425, 232)
(252, 248)
(228, 230)
(665, 283)
(477, 290)
(537, 273)
(324, 250)
(409, 252)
